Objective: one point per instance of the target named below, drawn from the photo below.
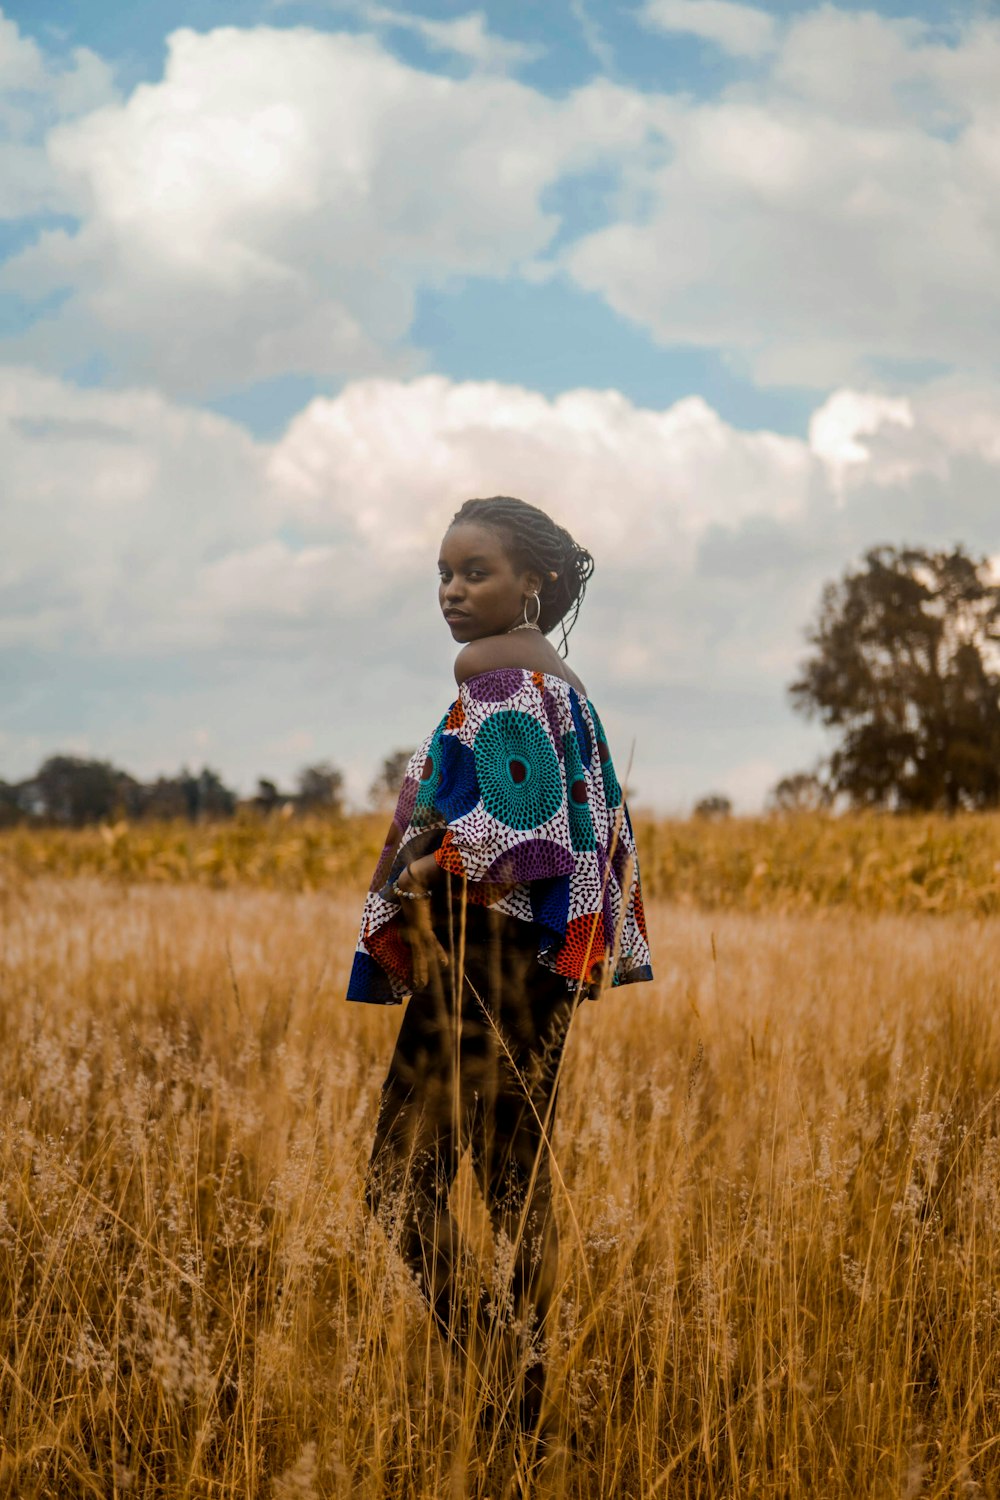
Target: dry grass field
(778, 1191)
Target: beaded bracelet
(408, 895)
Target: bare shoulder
(493, 651)
(484, 655)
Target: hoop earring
(538, 610)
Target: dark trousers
(475, 1067)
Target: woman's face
(480, 593)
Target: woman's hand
(425, 950)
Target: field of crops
(783, 864)
(777, 1169)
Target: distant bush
(715, 805)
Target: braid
(533, 540)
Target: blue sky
(281, 283)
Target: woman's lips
(455, 614)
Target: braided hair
(532, 540)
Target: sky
(282, 284)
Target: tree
(267, 795)
(11, 810)
(70, 789)
(163, 798)
(715, 805)
(385, 788)
(905, 666)
(802, 791)
(205, 795)
(321, 787)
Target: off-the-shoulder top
(516, 791)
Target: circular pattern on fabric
(517, 770)
(550, 904)
(495, 686)
(404, 803)
(430, 775)
(639, 912)
(623, 864)
(448, 856)
(389, 948)
(612, 788)
(584, 947)
(580, 724)
(369, 981)
(457, 791)
(533, 859)
(609, 889)
(581, 827)
(386, 857)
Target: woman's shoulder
(494, 652)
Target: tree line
(903, 668)
(72, 790)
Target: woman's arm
(422, 872)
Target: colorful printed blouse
(516, 790)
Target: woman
(507, 889)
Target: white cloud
(274, 203)
(389, 463)
(837, 210)
(35, 92)
(856, 65)
(837, 427)
(742, 30)
(277, 201)
(297, 582)
(21, 65)
(135, 524)
(466, 36)
(112, 502)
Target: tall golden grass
(804, 862)
(778, 1190)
